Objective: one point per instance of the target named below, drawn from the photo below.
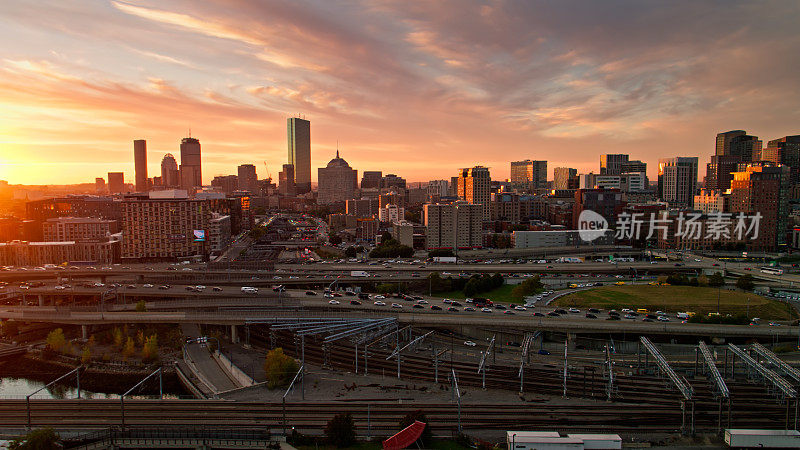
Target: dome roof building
(337, 182)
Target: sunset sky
(414, 88)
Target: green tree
(716, 280)
(745, 282)
(150, 349)
(279, 368)
(471, 288)
(56, 341)
(341, 430)
(141, 306)
(334, 239)
(350, 252)
(427, 437)
(40, 439)
(528, 287)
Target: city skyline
(400, 89)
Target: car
(561, 311)
(379, 303)
(470, 344)
(190, 288)
(538, 314)
(520, 308)
(455, 303)
(509, 312)
(436, 308)
(396, 305)
(774, 324)
(417, 306)
(590, 316)
(574, 310)
(543, 352)
(446, 300)
(311, 293)
(486, 310)
(715, 264)
(553, 314)
(380, 297)
(333, 302)
(748, 268)
(147, 285)
(593, 310)
(354, 302)
(501, 307)
(647, 319)
(663, 319)
(164, 287)
(422, 302)
(630, 316)
(612, 318)
(130, 286)
(451, 309)
(469, 308)
(626, 310)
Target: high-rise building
(710, 201)
(248, 180)
(299, 137)
(391, 213)
(611, 164)
(337, 182)
(562, 177)
(529, 174)
(453, 225)
(100, 185)
(116, 182)
(363, 207)
(764, 190)
(719, 172)
(786, 151)
(286, 184)
(392, 180)
(724, 141)
(677, 180)
(438, 188)
(170, 176)
(732, 148)
(63, 229)
(606, 202)
(191, 165)
(140, 164)
(225, 183)
(633, 166)
(474, 186)
(371, 179)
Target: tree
(56, 340)
(716, 280)
(528, 287)
(745, 282)
(130, 348)
(386, 237)
(279, 368)
(350, 252)
(10, 328)
(141, 306)
(41, 439)
(86, 354)
(118, 337)
(334, 239)
(341, 430)
(471, 288)
(426, 437)
(150, 349)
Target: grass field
(701, 300)
(499, 295)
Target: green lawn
(499, 295)
(701, 300)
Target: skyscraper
(299, 136)
(371, 179)
(724, 141)
(337, 182)
(677, 180)
(191, 165)
(611, 164)
(786, 151)
(764, 190)
(170, 177)
(562, 177)
(248, 180)
(474, 186)
(116, 182)
(529, 174)
(286, 181)
(140, 164)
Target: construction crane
(269, 175)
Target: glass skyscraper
(298, 133)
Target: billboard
(199, 235)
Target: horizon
(424, 89)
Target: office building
(371, 179)
(116, 182)
(248, 180)
(633, 166)
(473, 185)
(170, 176)
(528, 175)
(677, 180)
(438, 189)
(724, 140)
(710, 201)
(299, 138)
(403, 232)
(219, 232)
(455, 225)
(362, 208)
(26, 253)
(764, 190)
(140, 164)
(719, 172)
(562, 177)
(191, 165)
(100, 185)
(606, 202)
(337, 182)
(391, 198)
(556, 238)
(162, 226)
(512, 208)
(77, 229)
(391, 213)
(228, 184)
(391, 180)
(286, 184)
(786, 151)
(611, 164)
(73, 206)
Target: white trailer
(599, 441)
(746, 438)
(358, 273)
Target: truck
(444, 259)
(358, 273)
(249, 290)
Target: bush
(56, 341)
(350, 252)
(745, 282)
(130, 348)
(716, 280)
(528, 287)
(341, 430)
(427, 436)
(280, 368)
(150, 349)
(141, 306)
(41, 439)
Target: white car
(396, 305)
(333, 302)
(486, 310)
(147, 285)
(663, 319)
(574, 310)
(379, 303)
(379, 297)
(520, 308)
(470, 344)
(59, 288)
(422, 302)
(626, 310)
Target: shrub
(280, 368)
(41, 439)
(341, 430)
(141, 306)
(528, 287)
(745, 282)
(130, 348)
(150, 349)
(56, 341)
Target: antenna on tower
(190, 132)
(337, 148)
